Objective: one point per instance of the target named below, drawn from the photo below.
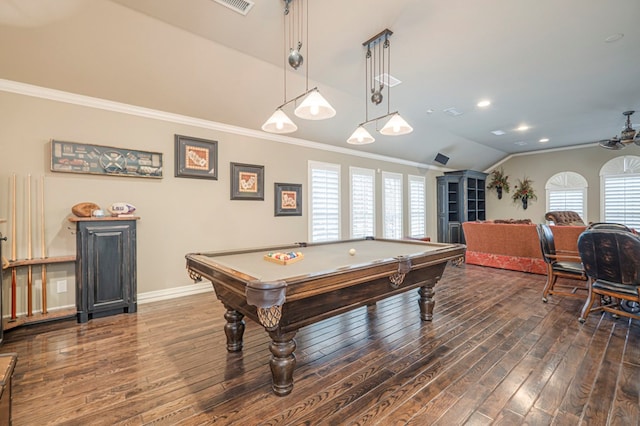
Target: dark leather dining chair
(611, 259)
(608, 225)
(560, 264)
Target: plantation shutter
(362, 202)
(417, 207)
(622, 200)
(561, 200)
(392, 205)
(324, 201)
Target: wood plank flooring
(493, 354)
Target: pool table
(330, 279)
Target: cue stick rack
(30, 262)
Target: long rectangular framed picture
(73, 157)
(247, 182)
(288, 199)
(196, 158)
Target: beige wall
(586, 160)
(178, 215)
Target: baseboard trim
(172, 293)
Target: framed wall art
(196, 158)
(72, 157)
(288, 199)
(247, 182)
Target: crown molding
(103, 104)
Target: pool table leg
(283, 361)
(234, 329)
(426, 301)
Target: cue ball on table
(352, 252)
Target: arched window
(620, 189)
(567, 191)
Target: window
(567, 191)
(391, 205)
(324, 201)
(363, 205)
(620, 186)
(417, 207)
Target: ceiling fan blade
(613, 143)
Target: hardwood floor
(493, 354)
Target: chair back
(611, 255)
(547, 244)
(564, 218)
(608, 225)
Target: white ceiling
(544, 63)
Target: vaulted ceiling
(567, 69)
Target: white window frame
(628, 168)
(314, 220)
(362, 189)
(568, 182)
(417, 208)
(392, 201)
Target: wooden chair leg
(587, 304)
(548, 287)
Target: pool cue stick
(43, 248)
(14, 277)
(29, 268)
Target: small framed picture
(196, 158)
(247, 182)
(288, 199)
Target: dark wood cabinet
(106, 267)
(461, 198)
(7, 366)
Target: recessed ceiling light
(522, 128)
(430, 111)
(543, 140)
(483, 104)
(498, 132)
(613, 38)
(521, 143)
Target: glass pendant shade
(360, 137)
(315, 107)
(279, 122)
(396, 126)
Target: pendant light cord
(387, 46)
(366, 83)
(284, 57)
(308, 54)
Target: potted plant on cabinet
(524, 192)
(499, 181)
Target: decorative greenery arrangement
(499, 181)
(524, 192)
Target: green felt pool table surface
(318, 259)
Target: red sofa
(514, 246)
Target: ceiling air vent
(387, 79)
(241, 6)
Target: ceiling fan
(626, 136)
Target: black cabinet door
(106, 268)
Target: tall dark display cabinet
(461, 198)
(106, 266)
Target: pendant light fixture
(378, 59)
(314, 106)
